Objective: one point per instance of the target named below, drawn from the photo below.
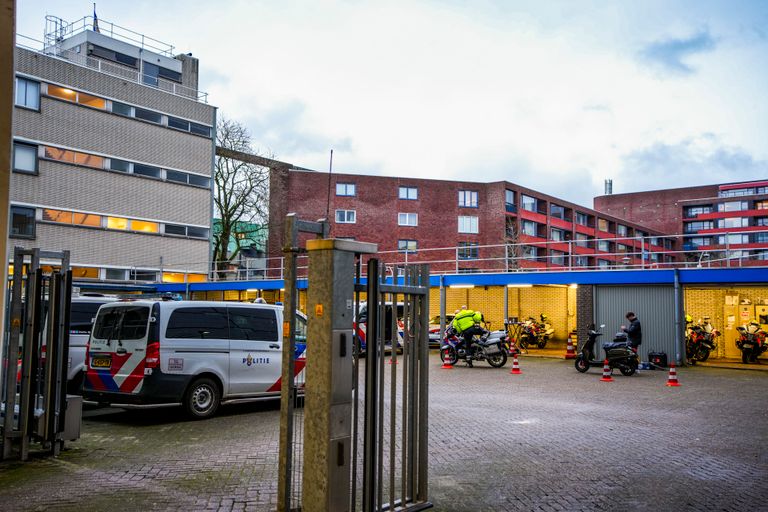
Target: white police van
(194, 353)
(82, 311)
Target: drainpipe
(679, 340)
(442, 309)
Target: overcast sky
(556, 96)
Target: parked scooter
(752, 342)
(491, 347)
(619, 354)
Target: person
(466, 324)
(634, 332)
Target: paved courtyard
(549, 439)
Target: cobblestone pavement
(549, 439)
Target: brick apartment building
(711, 219)
(112, 154)
(479, 226)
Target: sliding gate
(356, 439)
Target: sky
(553, 95)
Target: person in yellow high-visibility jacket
(467, 324)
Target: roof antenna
(328, 204)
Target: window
(737, 192)
(144, 226)
(557, 211)
(82, 313)
(62, 93)
(622, 230)
(468, 198)
(529, 203)
(761, 205)
(530, 252)
(152, 73)
(199, 181)
(733, 222)
(146, 170)
(693, 227)
(345, 189)
(761, 238)
(557, 257)
(622, 248)
(603, 263)
(580, 261)
(602, 225)
(22, 222)
(733, 239)
(509, 197)
(122, 109)
(407, 219)
(86, 219)
(761, 221)
(82, 98)
(654, 240)
(176, 176)
(732, 206)
(345, 216)
(468, 224)
(408, 193)
(115, 274)
(147, 115)
(179, 124)
(188, 126)
(122, 323)
(119, 165)
(468, 250)
(528, 227)
(59, 216)
(604, 245)
(85, 273)
(196, 232)
(173, 229)
(74, 157)
(407, 245)
(117, 223)
(24, 158)
(198, 323)
(252, 324)
(27, 93)
(120, 58)
(693, 211)
(72, 218)
(582, 240)
(700, 240)
(143, 275)
(582, 218)
(200, 129)
(558, 235)
(91, 101)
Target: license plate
(101, 362)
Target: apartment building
(113, 148)
(462, 226)
(719, 224)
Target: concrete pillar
(326, 484)
(7, 55)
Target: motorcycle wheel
(449, 356)
(581, 365)
(744, 357)
(703, 355)
(542, 343)
(627, 370)
(498, 360)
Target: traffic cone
(392, 360)
(446, 366)
(606, 372)
(515, 366)
(570, 351)
(672, 379)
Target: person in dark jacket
(634, 332)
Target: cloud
(669, 55)
(692, 161)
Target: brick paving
(549, 439)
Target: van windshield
(80, 316)
(122, 323)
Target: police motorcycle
(699, 339)
(529, 334)
(619, 354)
(752, 342)
(544, 332)
(491, 347)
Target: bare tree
(514, 251)
(241, 196)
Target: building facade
(461, 226)
(113, 156)
(723, 224)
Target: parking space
(549, 439)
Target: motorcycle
(530, 334)
(751, 342)
(544, 332)
(618, 353)
(491, 346)
(699, 342)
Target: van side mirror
(152, 319)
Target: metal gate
(375, 454)
(653, 305)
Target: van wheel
(202, 399)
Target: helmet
(688, 319)
(544, 317)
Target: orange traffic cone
(570, 351)
(515, 366)
(672, 379)
(392, 360)
(606, 372)
(446, 365)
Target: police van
(194, 353)
(82, 311)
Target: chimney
(608, 187)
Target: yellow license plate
(101, 362)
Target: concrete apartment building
(480, 226)
(112, 154)
(711, 219)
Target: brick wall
(584, 309)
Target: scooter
(619, 354)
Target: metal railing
(111, 69)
